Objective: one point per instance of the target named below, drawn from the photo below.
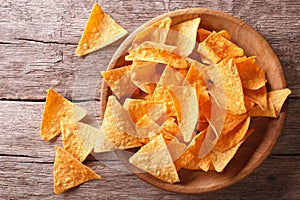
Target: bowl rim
(176, 15)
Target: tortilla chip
(231, 84)
(159, 53)
(275, 101)
(252, 76)
(176, 148)
(112, 127)
(156, 159)
(183, 36)
(187, 109)
(100, 31)
(216, 47)
(57, 106)
(146, 127)
(227, 140)
(68, 172)
(119, 81)
(225, 34)
(137, 108)
(72, 141)
(202, 34)
(249, 103)
(143, 75)
(259, 96)
(157, 32)
(169, 130)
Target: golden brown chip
(216, 47)
(225, 34)
(156, 159)
(183, 36)
(275, 101)
(57, 106)
(159, 53)
(119, 81)
(259, 96)
(68, 172)
(227, 140)
(157, 32)
(252, 76)
(231, 84)
(202, 34)
(72, 141)
(100, 31)
(112, 131)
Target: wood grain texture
(37, 45)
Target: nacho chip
(187, 109)
(72, 141)
(119, 81)
(68, 172)
(202, 34)
(157, 32)
(259, 96)
(57, 106)
(275, 101)
(183, 36)
(216, 47)
(252, 76)
(227, 140)
(111, 127)
(100, 31)
(143, 75)
(231, 84)
(146, 127)
(159, 53)
(225, 34)
(156, 159)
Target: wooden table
(37, 44)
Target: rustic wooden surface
(37, 51)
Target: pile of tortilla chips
(186, 100)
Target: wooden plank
(36, 57)
(21, 179)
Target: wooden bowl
(257, 147)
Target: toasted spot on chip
(157, 32)
(216, 47)
(158, 53)
(100, 31)
(119, 81)
(68, 172)
(231, 84)
(202, 34)
(111, 129)
(72, 141)
(252, 76)
(155, 158)
(57, 106)
(275, 101)
(183, 36)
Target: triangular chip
(275, 99)
(57, 106)
(72, 141)
(68, 172)
(259, 96)
(156, 159)
(100, 31)
(216, 47)
(155, 52)
(157, 32)
(231, 84)
(183, 36)
(202, 34)
(252, 76)
(119, 81)
(111, 129)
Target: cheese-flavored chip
(57, 106)
(155, 158)
(68, 172)
(100, 31)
